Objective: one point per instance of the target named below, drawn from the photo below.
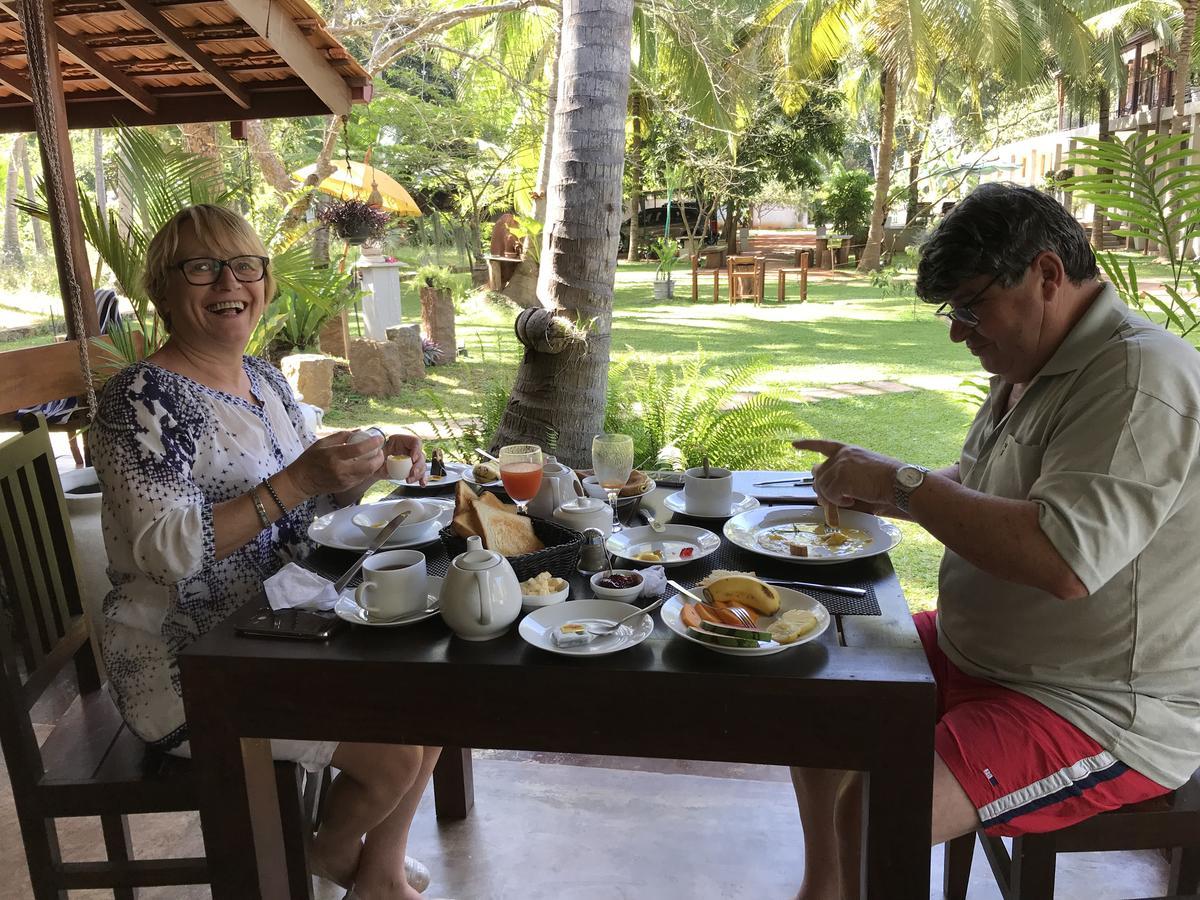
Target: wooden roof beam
(16, 81)
(189, 50)
(99, 67)
(288, 40)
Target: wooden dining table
(861, 697)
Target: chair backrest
(743, 263)
(40, 586)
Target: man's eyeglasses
(203, 270)
(963, 312)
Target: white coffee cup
(712, 496)
(398, 467)
(394, 584)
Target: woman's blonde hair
(226, 234)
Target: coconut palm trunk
(522, 287)
(636, 102)
(12, 237)
(561, 384)
(1183, 62)
(883, 175)
(39, 242)
(1104, 134)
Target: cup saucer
(347, 609)
(738, 504)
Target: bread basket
(559, 557)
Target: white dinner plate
(536, 627)
(338, 531)
(673, 542)
(347, 609)
(739, 503)
(744, 531)
(788, 599)
(454, 472)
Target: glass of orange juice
(521, 472)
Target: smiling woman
(211, 480)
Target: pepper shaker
(593, 558)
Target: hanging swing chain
(33, 21)
(346, 147)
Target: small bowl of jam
(619, 584)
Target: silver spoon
(601, 628)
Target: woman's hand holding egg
(406, 445)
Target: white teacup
(394, 584)
(398, 467)
(712, 496)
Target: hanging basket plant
(355, 222)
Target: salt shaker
(593, 557)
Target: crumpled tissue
(654, 581)
(295, 587)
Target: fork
(602, 628)
(740, 614)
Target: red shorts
(1025, 768)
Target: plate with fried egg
(801, 534)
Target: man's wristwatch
(908, 479)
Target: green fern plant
(459, 435)
(1149, 185)
(678, 414)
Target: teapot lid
(553, 465)
(581, 505)
(476, 557)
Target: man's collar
(1094, 328)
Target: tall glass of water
(612, 460)
(521, 472)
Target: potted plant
(666, 251)
(354, 221)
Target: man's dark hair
(998, 230)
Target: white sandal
(416, 874)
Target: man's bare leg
(831, 803)
(817, 793)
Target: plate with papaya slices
(783, 618)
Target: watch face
(910, 477)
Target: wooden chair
(697, 272)
(91, 764)
(746, 277)
(1171, 821)
(785, 271)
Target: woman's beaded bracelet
(275, 496)
(260, 509)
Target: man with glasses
(1066, 645)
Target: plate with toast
(338, 530)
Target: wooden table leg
(781, 289)
(239, 809)
(804, 279)
(898, 817)
(453, 783)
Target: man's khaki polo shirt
(1106, 441)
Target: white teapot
(585, 512)
(480, 594)
(560, 485)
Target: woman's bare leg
(380, 873)
(373, 780)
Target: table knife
(835, 588)
(790, 482)
(380, 539)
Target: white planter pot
(664, 289)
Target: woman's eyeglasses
(203, 270)
(963, 312)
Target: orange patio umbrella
(359, 182)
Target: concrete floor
(578, 828)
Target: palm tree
(562, 381)
(909, 40)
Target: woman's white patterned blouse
(167, 449)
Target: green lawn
(847, 332)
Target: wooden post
(70, 251)
(803, 277)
